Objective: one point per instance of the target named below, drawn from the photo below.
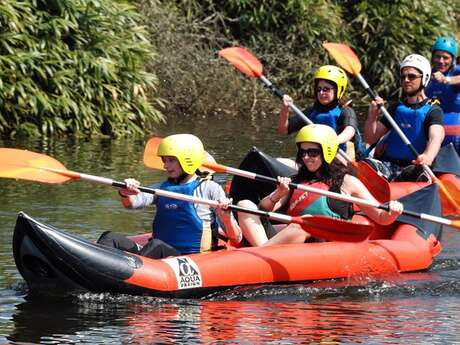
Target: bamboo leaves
(73, 67)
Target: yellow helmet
(334, 74)
(320, 134)
(187, 148)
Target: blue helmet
(446, 44)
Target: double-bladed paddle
(346, 58)
(243, 60)
(151, 161)
(27, 165)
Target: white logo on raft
(186, 271)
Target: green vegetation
(286, 37)
(73, 66)
(89, 67)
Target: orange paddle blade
(376, 184)
(243, 60)
(336, 229)
(152, 160)
(450, 197)
(27, 165)
(344, 56)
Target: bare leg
(292, 233)
(251, 226)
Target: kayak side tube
(48, 258)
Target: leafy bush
(73, 66)
(286, 37)
(384, 32)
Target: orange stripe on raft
(452, 129)
(155, 275)
(406, 251)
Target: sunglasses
(325, 89)
(313, 153)
(410, 76)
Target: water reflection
(124, 319)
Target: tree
(74, 66)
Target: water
(417, 308)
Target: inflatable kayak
(51, 260)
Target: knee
(295, 233)
(247, 203)
(244, 216)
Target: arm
(373, 128)
(434, 128)
(129, 193)
(230, 225)
(283, 120)
(213, 191)
(347, 125)
(132, 197)
(346, 135)
(449, 80)
(354, 187)
(435, 139)
(277, 198)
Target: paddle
(243, 60)
(346, 58)
(27, 165)
(150, 161)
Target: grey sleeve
(142, 200)
(212, 191)
(347, 118)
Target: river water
(418, 308)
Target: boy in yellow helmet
(179, 227)
(317, 146)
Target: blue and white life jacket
(177, 222)
(449, 96)
(411, 121)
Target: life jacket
(411, 122)
(330, 119)
(452, 130)
(449, 96)
(177, 222)
(303, 202)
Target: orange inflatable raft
(51, 260)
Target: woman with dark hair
(317, 146)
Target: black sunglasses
(313, 153)
(324, 89)
(410, 76)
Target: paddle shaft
(333, 195)
(21, 164)
(277, 92)
(110, 182)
